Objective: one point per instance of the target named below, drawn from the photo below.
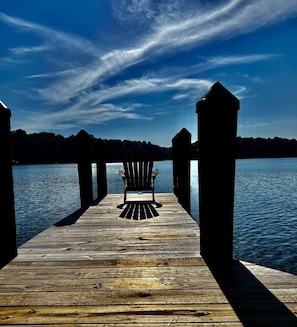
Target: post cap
(82, 134)
(217, 97)
(4, 109)
(182, 133)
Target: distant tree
(21, 146)
(49, 148)
(266, 148)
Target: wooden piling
(8, 239)
(217, 127)
(101, 168)
(84, 165)
(181, 155)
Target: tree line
(40, 148)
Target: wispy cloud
(9, 61)
(84, 81)
(76, 116)
(52, 36)
(22, 51)
(253, 125)
(173, 30)
(97, 108)
(188, 24)
(237, 59)
(145, 85)
(254, 79)
(54, 74)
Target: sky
(135, 69)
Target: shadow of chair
(139, 210)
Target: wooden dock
(104, 270)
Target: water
(265, 210)
(44, 194)
(265, 213)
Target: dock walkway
(104, 270)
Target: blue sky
(134, 69)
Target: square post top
(217, 98)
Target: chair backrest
(138, 168)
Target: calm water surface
(265, 213)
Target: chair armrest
(155, 172)
(122, 173)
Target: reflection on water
(43, 194)
(265, 211)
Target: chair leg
(158, 205)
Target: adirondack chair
(138, 174)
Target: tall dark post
(181, 155)
(101, 169)
(84, 164)
(8, 240)
(217, 127)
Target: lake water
(265, 212)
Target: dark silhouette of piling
(181, 156)
(101, 168)
(8, 239)
(217, 127)
(84, 165)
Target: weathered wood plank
(81, 257)
(118, 297)
(109, 271)
(122, 314)
(110, 262)
(54, 272)
(175, 324)
(103, 283)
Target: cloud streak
(84, 82)
(76, 116)
(52, 36)
(172, 32)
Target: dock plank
(104, 270)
